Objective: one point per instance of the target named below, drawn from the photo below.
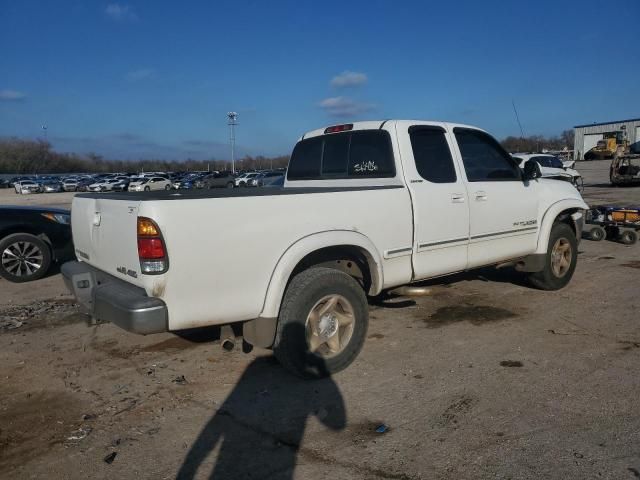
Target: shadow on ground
(257, 431)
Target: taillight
(151, 250)
(339, 128)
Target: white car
(244, 179)
(104, 185)
(552, 167)
(27, 186)
(70, 184)
(366, 208)
(150, 183)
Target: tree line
(30, 157)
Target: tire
(557, 273)
(147, 189)
(309, 291)
(31, 247)
(230, 185)
(167, 187)
(628, 237)
(597, 233)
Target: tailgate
(104, 235)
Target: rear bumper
(110, 299)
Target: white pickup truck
(366, 207)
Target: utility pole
(44, 129)
(232, 118)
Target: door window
(483, 158)
(432, 155)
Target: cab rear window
(354, 154)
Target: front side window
(363, 153)
(483, 158)
(432, 155)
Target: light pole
(44, 129)
(232, 118)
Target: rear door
(503, 209)
(441, 210)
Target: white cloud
(120, 13)
(140, 74)
(344, 106)
(349, 79)
(11, 95)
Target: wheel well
(352, 260)
(565, 217)
(26, 229)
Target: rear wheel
(628, 237)
(230, 185)
(23, 257)
(322, 324)
(167, 187)
(560, 261)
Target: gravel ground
(484, 378)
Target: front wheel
(230, 185)
(147, 189)
(560, 261)
(322, 324)
(23, 257)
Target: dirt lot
(484, 378)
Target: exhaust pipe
(411, 291)
(227, 338)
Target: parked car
(51, 186)
(150, 183)
(243, 179)
(27, 186)
(122, 185)
(83, 184)
(4, 183)
(216, 180)
(31, 239)
(70, 184)
(260, 179)
(366, 207)
(551, 167)
(103, 185)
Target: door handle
(457, 198)
(481, 196)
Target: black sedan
(31, 240)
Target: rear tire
(597, 233)
(560, 261)
(167, 187)
(628, 237)
(302, 322)
(23, 257)
(230, 185)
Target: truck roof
(379, 124)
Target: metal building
(587, 136)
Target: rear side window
(432, 155)
(364, 153)
(484, 159)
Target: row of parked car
(145, 182)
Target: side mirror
(531, 170)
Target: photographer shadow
(258, 429)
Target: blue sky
(154, 78)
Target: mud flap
(260, 332)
